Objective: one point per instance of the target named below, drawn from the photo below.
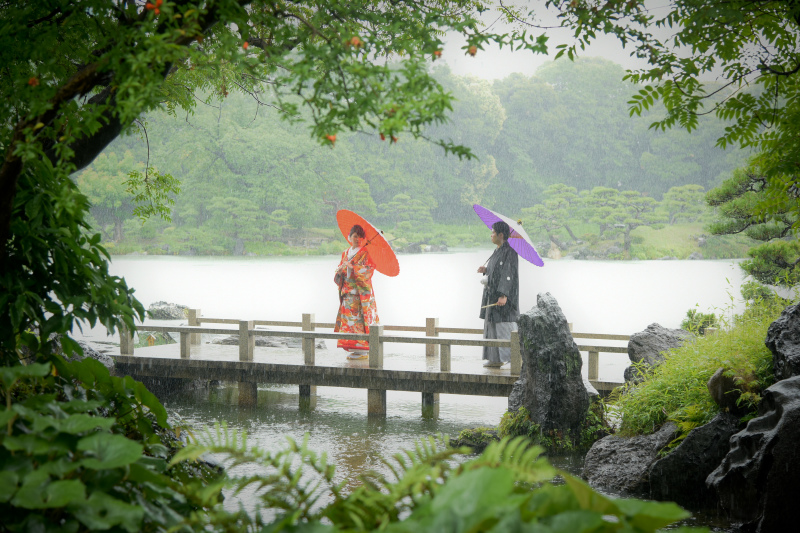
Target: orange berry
(33, 81)
(149, 6)
(157, 11)
(383, 137)
(355, 41)
(437, 54)
(331, 138)
(394, 139)
(245, 45)
(473, 50)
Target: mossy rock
(476, 438)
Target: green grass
(676, 241)
(676, 390)
(681, 240)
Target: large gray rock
(517, 392)
(783, 340)
(725, 392)
(621, 464)
(166, 311)
(552, 388)
(681, 476)
(90, 352)
(757, 481)
(648, 346)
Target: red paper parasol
(518, 239)
(379, 249)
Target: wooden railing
(435, 345)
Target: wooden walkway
(195, 361)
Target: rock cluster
(783, 340)
(621, 465)
(166, 311)
(648, 347)
(751, 473)
(269, 342)
(757, 480)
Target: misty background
(253, 183)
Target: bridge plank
(324, 376)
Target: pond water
(617, 297)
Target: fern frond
(518, 455)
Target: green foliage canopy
(776, 260)
(752, 46)
(77, 74)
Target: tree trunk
(117, 229)
(626, 242)
(572, 235)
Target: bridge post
(376, 402)
(375, 347)
(194, 320)
(186, 346)
(594, 363)
(430, 331)
(376, 398)
(308, 343)
(444, 359)
(248, 394)
(309, 353)
(247, 342)
(516, 354)
(430, 405)
(125, 341)
(248, 390)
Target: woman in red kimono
(357, 309)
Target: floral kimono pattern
(357, 309)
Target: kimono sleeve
(362, 273)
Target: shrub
(677, 389)
(519, 424)
(697, 322)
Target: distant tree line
(247, 176)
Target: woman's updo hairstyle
(358, 230)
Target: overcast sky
(494, 63)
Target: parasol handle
(379, 232)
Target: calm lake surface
(619, 297)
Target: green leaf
(109, 451)
(38, 492)
(10, 374)
(588, 498)
(8, 485)
(31, 444)
(74, 424)
(5, 416)
(577, 522)
(649, 516)
(101, 512)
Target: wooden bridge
(247, 372)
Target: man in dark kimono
(500, 303)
